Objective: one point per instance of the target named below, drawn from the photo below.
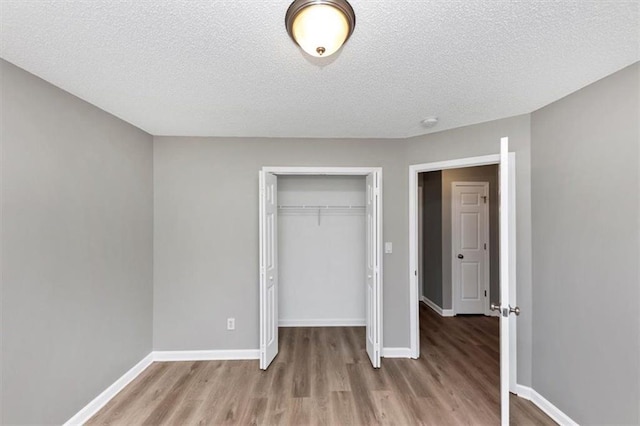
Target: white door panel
(470, 230)
(505, 281)
(470, 237)
(268, 268)
(373, 305)
(470, 281)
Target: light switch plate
(388, 248)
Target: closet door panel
(268, 268)
(372, 269)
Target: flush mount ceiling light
(320, 27)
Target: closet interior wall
(321, 250)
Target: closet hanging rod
(319, 207)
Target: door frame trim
(414, 291)
(321, 171)
(486, 258)
(350, 171)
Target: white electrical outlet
(231, 323)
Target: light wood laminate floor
(323, 376)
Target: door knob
(496, 307)
(460, 256)
(271, 278)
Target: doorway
(269, 254)
(458, 268)
(507, 305)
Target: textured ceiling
(228, 68)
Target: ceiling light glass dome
(320, 27)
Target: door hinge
(485, 293)
(415, 273)
(484, 197)
(485, 246)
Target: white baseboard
(101, 400)
(357, 322)
(396, 352)
(523, 391)
(551, 410)
(436, 308)
(216, 355)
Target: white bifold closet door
(268, 268)
(373, 292)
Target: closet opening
(321, 247)
(320, 253)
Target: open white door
(507, 279)
(373, 269)
(268, 268)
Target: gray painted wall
(470, 174)
(484, 139)
(432, 236)
(585, 210)
(76, 249)
(206, 233)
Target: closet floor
(323, 376)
